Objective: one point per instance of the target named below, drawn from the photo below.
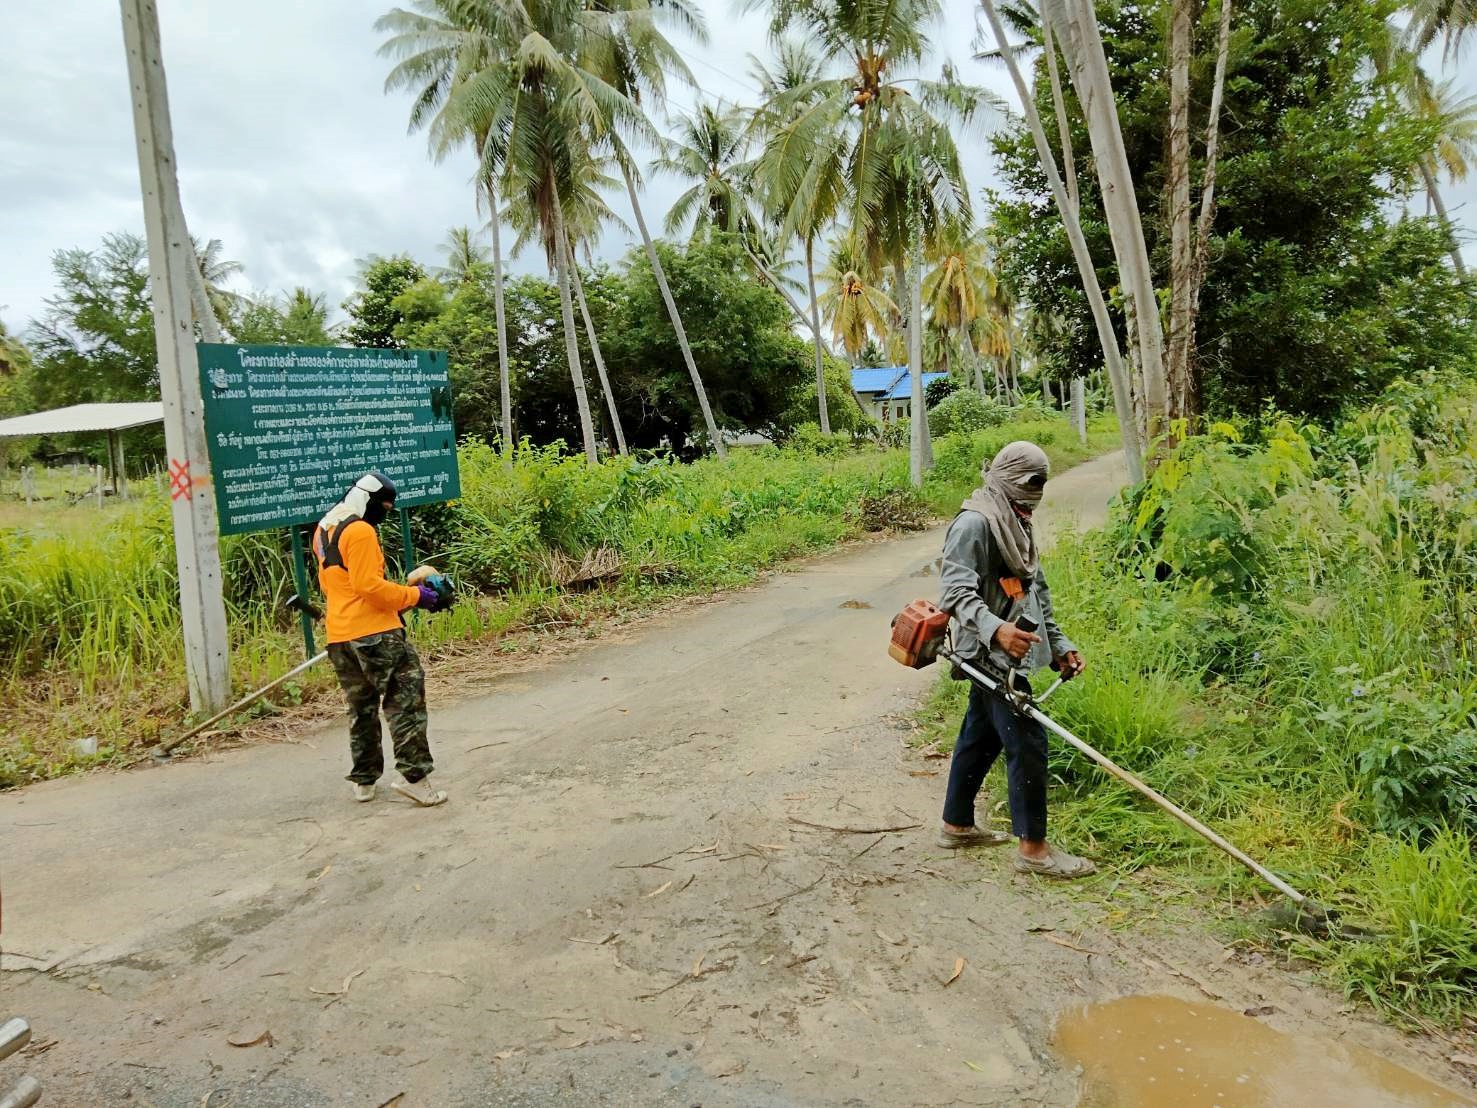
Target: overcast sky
(289, 150)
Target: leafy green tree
(373, 317)
(460, 318)
(1313, 287)
(15, 372)
(751, 362)
(301, 319)
(95, 338)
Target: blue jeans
(989, 727)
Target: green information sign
(290, 428)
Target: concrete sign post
(171, 257)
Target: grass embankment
(90, 640)
(1281, 638)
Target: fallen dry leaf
(860, 1007)
(766, 961)
(264, 1037)
(1264, 1010)
(974, 1066)
(889, 939)
(697, 967)
(659, 890)
(1038, 928)
(504, 1055)
(923, 773)
(322, 873)
(1465, 1060)
(958, 969)
(932, 751)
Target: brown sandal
(975, 836)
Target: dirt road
(619, 906)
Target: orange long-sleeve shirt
(360, 600)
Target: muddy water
(1162, 1052)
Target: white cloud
(290, 152)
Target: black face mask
(376, 511)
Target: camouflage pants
(377, 670)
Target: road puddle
(1162, 1052)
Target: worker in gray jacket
(991, 577)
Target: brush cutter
(920, 636)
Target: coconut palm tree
(808, 212)
(1074, 22)
(215, 270)
(586, 212)
(884, 132)
(857, 310)
(708, 150)
(1454, 150)
(1071, 223)
(1433, 19)
(539, 111)
(961, 280)
(633, 56)
(439, 46)
(464, 255)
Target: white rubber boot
(363, 792)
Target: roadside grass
(89, 628)
(1280, 636)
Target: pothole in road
(1162, 1052)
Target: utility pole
(171, 261)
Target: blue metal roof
(892, 382)
(903, 390)
(878, 380)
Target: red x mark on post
(179, 479)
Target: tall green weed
(1282, 635)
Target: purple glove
(428, 599)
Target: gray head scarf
(1005, 480)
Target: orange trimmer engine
(918, 634)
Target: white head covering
(356, 500)
(1005, 483)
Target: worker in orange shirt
(375, 661)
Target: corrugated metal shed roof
(84, 417)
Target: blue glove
(429, 600)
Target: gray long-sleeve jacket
(970, 582)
